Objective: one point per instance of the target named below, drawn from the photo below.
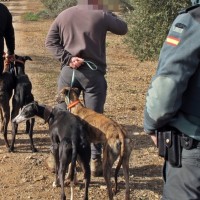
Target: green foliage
(56, 6)
(149, 24)
(31, 16)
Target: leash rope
(90, 64)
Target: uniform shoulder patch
(179, 28)
(173, 41)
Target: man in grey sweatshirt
(77, 38)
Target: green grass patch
(31, 16)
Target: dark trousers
(183, 183)
(94, 87)
(1, 64)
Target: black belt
(189, 143)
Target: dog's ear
(35, 105)
(64, 90)
(60, 98)
(35, 102)
(27, 58)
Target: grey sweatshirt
(79, 31)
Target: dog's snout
(18, 119)
(14, 120)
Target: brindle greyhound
(69, 140)
(106, 131)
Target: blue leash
(90, 64)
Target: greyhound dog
(69, 140)
(22, 96)
(103, 130)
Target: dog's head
(29, 111)
(20, 63)
(22, 58)
(67, 92)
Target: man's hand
(153, 137)
(9, 58)
(76, 62)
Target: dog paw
(67, 182)
(114, 191)
(10, 150)
(55, 184)
(34, 150)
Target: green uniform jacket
(173, 97)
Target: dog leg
(1, 114)
(107, 167)
(65, 155)
(28, 124)
(5, 124)
(64, 162)
(125, 165)
(15, 111)
(67, 182)
(84, 160)
(55, 152)
(116, 173)
(73, 166)
(31, 134)
(72, 190)
(14, 131)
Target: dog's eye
(26, 112)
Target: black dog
(22, 96)
(68, 137)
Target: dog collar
(20, 61)
(73, 104)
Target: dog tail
(117, 171)
(122, 140)
(74, 158)
(121, 156)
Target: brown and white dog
(102, 129)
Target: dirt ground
(24, 174)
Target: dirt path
(23, 174)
